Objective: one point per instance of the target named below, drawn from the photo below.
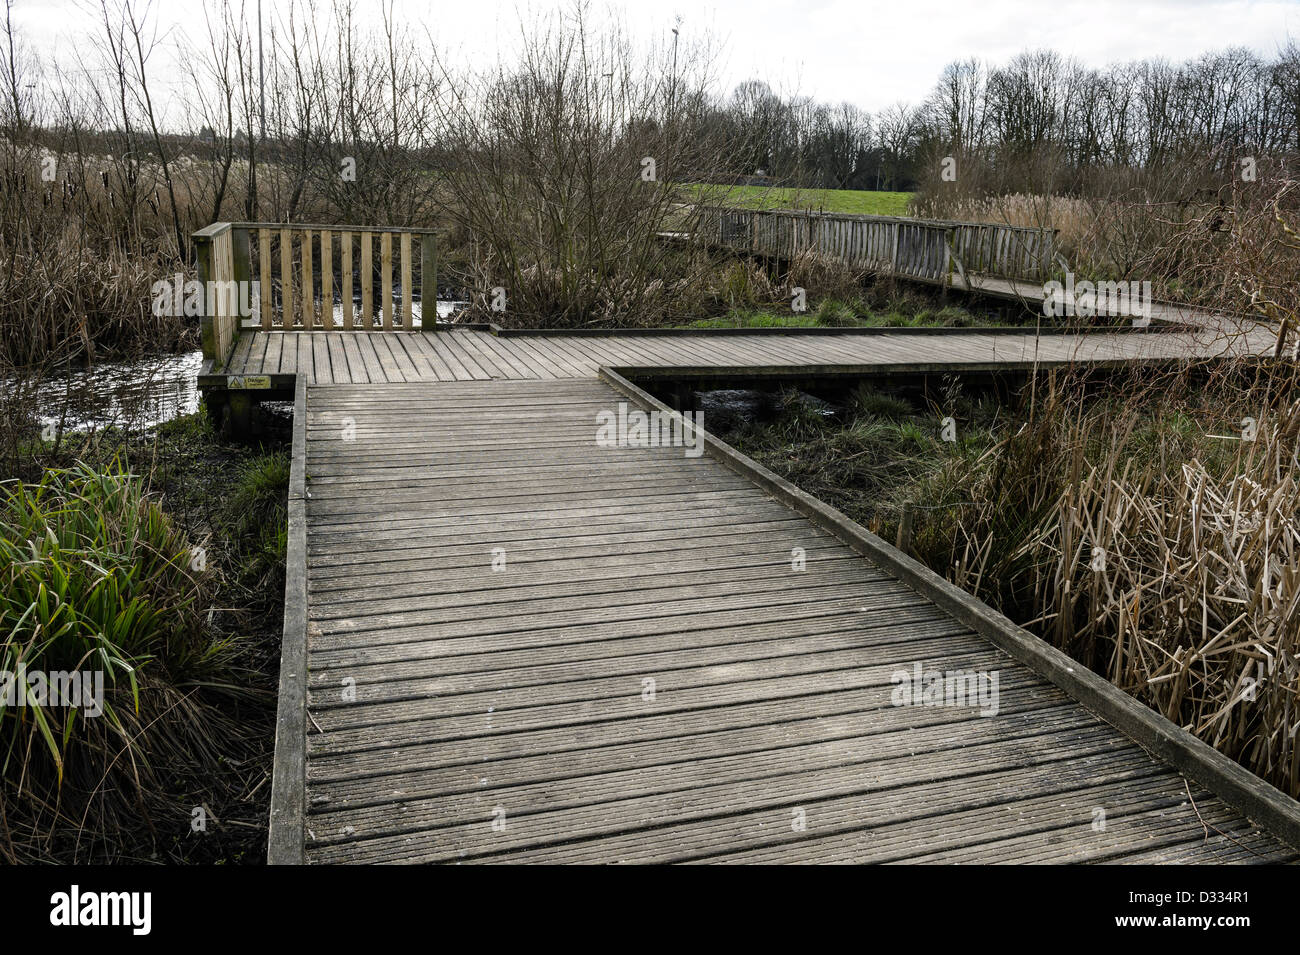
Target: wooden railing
(297, 276)
(931, 250)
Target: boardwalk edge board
(1156, 327)
(885, 370)
(285, 841)
(1260, 802)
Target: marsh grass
(97, 579)
(100, 568)
(257, 517)
(1196, 611)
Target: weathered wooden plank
(306, 357)
(415, 625)
(508, 603)
(357, 372)
(255, 364)
(522, 687)
(417, 699)
(384, 357)
(468, 363)
(566, 662)
(322, 367)
(419, 358)
(401, 361)
(488, 357)
(237, 363)
(850, 712)
(769, 830)
(339, 370)
(531, 764)
(438, 345)
(548, 539)
(535, 824)
(606, 548)
(370, 358)
(271, 362)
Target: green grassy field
(853, 201)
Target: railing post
(954, 261)
(219, 318)
(428, 283)
(243, 261)
(904, 539)
(207, 326)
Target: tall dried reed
(1153, 535)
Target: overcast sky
(869, 53)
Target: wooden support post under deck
(239, 414)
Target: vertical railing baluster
(367, 283)
(428, 283)
(386, 277)
(264, 274)
(326, 280)
(286, 279)
(407, 322)
(241, 270)
(308, 298)
(345, 289)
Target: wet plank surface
(524, 646)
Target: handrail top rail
(212, 231)
(217, 228)
(865, 217)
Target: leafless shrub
(563, 172)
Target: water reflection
(136, 394)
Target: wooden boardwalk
(506, 642)
(645, 675)
(339, 357)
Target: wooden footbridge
(508, 640)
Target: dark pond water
(725, 410)
(137, 394)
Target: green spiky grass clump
(96, 578)
(256, 514)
